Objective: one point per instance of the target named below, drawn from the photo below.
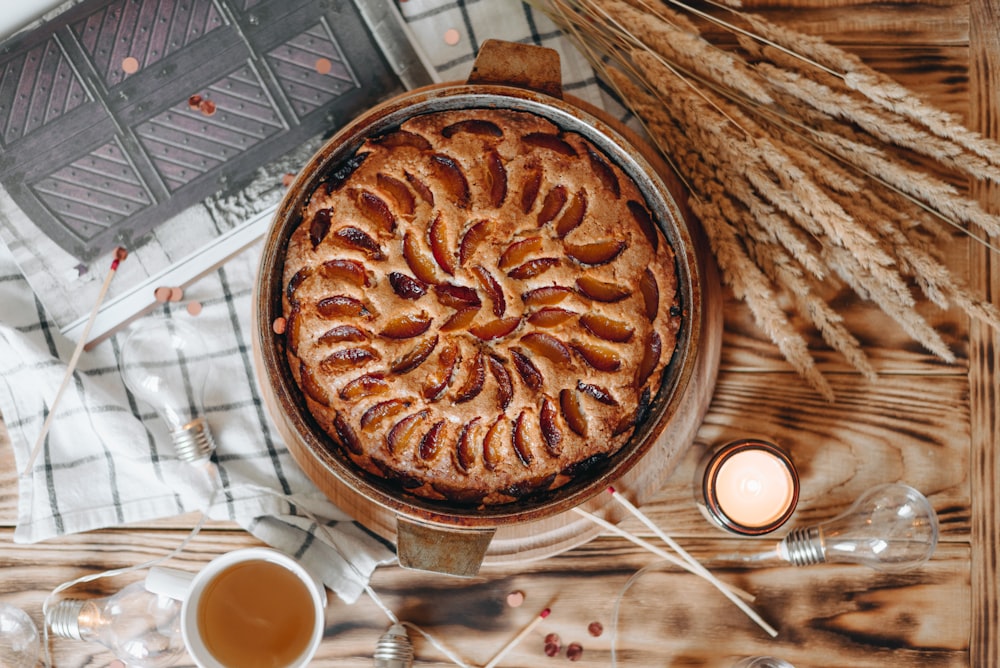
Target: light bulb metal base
(394, 649)
(193, 442)
(803, 547)
(64, 618)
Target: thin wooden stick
(518, 638)
(663, 554)
(704, 572)
(120, 254)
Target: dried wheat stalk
(797, 156)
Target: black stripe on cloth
(265, 430)
(50, 485)
(467, 20)
(440, 9)
(109, 460)
(50, 482)
(529, 17)
(309, 540)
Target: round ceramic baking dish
(446, 537)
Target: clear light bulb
(19, 646)
(394, 649)
(140, 628)
(891, 528)
(762, 662)
(164, 363)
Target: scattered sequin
(595, 629)
(176, 294)
(278, 326)
(194, 308)
(162, 294)
(515, 598)
(574, 651)
(323, 66)
(130, 65)
(553, 644)
(452, 37)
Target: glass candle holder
(748, 487)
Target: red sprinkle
(194, 102)
(552, 649)
(574, 651)
(595, 629)
(207, 107)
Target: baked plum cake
(479, 305)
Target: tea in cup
(250, 608)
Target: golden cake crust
(478, 305)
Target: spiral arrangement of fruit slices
(479, 305)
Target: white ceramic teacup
(253, 606)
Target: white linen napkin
(108, 460)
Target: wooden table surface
(926, 423)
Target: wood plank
(984, 77)
(895, 431)
(864, 618)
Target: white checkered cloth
(107, 460)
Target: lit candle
(749, 487)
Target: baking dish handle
(439, 549)
(523, 65)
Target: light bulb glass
(19, 645)
(140, 628)
(891, 528)
(762, 662)
(165, 363)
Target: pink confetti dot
(515, 598)
(452, 37)
(130, 65)
(194, 308)
(278, 326)
(176, 294)
(323, 66)
(162, 294)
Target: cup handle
(169, 582)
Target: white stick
(663, 554)
(120, 254)
(518, 638)
(704, 572)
